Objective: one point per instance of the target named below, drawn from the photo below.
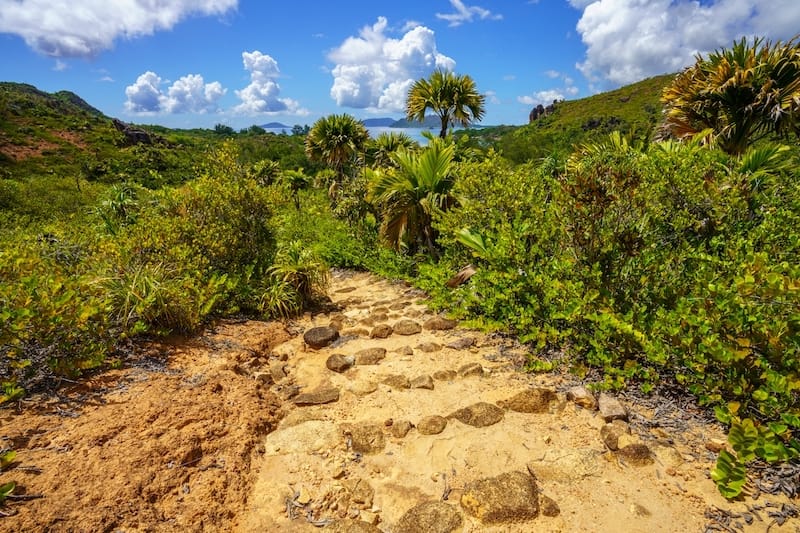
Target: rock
(340, 363)
(580, 395)
(509, 497)
(405, 350)
(263, 377)
(407, 327)
(548, 506)
(439, 323)
(430, 517)
(640, 510)
(337, 324)
(379, 317)
(397, 381)
(429, 347)
(530, 401)
(362, 388)
(431, 425)
(611, 433)
(470, 369)
(365, 437)
(367, 321)
(636, 455)
(320, 337)
(422, 382)
(479, 415)
(401, 428)
(381, 331)
(369, 517)
(461, 343)
(445, 375)
(566, 465)
(351, 526)
(133, 135)
(355, 332)
(303, 496)
(277, 370)
(398, 306)
(370, 356)
(360, 491)
(715, 445)
(611, 408)
(668, 456)
(318, 397)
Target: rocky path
(400, 421)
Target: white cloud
(628, 40)
(66, 28)
(466, 13)
(374, 71)
(552, 74)
(491, 97)
(262, 95)
(541, 97)
(189, 94)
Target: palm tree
(741, 94)
(337, 140)
(452, 97)
(380, 149)
(411, 192)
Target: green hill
(634, 109)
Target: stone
(445, 375)
(636, 455)
(461, 343)
(351, 526)
(611, 433)
(398, 306)
(401, 428)
(336, 323)
(379, 317)
(263, 377)
(530, 401)
(509, 497)
(369, 517)
(362, 388)
(548, 506)
(318, 397)
(370, 356)
(429, 347)
(479, 415)
(432, 425)
(407, 327)
(715, 445)
(405, 350)
(611, 408)
(430, 517)
(365, 437)
(470, 369)
(568, 465)
(422, 382)
(639, 510)
(277, 370)
(381, 331)
(340, 363)
(355, 332)
(320, 337)
(397, 381)
(580, 395)
(439, 323)
(361, 492)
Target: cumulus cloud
(541, 97)
(262, 95)
(189, 94)
(628, 40)
(65, 28)
(374, 71)
(466, 13)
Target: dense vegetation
(631, 262)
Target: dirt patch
(164, 445)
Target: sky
(198, 63)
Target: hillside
(634, 109)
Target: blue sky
(196, 63)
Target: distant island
(275, 126)
(432, 122)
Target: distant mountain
(431, 121)
(275, 126)
(384, 122)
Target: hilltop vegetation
(630, 262)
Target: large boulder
(320, 337)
